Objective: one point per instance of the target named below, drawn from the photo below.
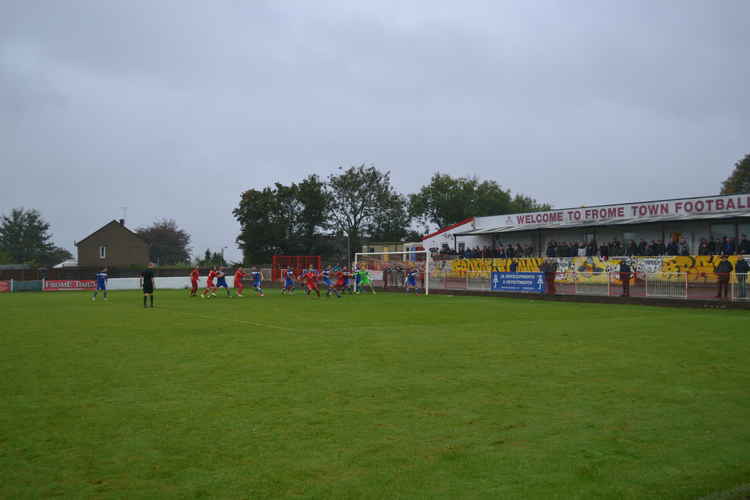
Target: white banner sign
(615, 213)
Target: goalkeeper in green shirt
(364, 279)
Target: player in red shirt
(195, 275)
(311, 282)
(339, 284)
(238, 285)
(210, 286)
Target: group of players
(335, 281)
(217, 278)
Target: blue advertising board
(518, 282)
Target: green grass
(385, 396)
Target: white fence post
(686, 285)
(427, 270)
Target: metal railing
(672, 285)
(739, 288)
(669, 285)
(676, 285)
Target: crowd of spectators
(724, 246)
(613, 248)
(500, 251)
(616, 248)
(643, 248)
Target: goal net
(390, 270)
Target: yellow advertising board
(696, 268)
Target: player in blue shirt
(326, 278)
(411, 280)
(101, 283)
(288, 286)
(221, 281)
(257, 279)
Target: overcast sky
(173, 108)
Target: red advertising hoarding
(59, 285)
(4, 286)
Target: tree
(315, 204)
(263, 228)
(283, 220)
(447, 200)
(211, 259)
(56, 256)
(5, 258)
(25, 237)
(169, 244)
(362, 199)
(739, 180)
(391, 222)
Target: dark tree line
(333, 216)
(25, 239)
(168, 244)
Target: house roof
(116, 223)
(448, 228)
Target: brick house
(113, 245)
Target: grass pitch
(385, 396)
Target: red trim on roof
(448, 228)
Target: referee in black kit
(147, 283)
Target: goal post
(388, 270)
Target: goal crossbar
(427, 262)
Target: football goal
(396, 271)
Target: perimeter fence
(675, 285)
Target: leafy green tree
(25, 237)
(56, 256)
(391, 222)
(447, 200)
(312, 217)
(362, 199)
(211, 259)
(5, 258)
(261, 226)
(739, 180)
(283, 220)
(169, 244)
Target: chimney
(122, 222)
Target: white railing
(669, 285)
(672, 285)
(739, 288)
(590, 283)
(676, 285)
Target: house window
(102, 252)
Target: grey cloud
(173, 108)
